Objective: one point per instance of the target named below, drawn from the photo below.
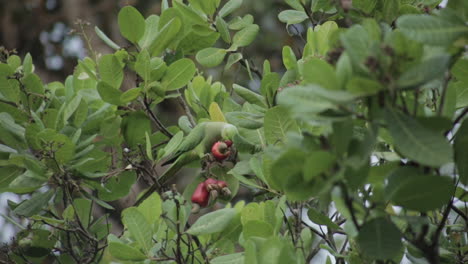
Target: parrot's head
(229, 131)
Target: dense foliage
(358, 148)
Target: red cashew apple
(220, 150)
(228, 143)
(200, 197)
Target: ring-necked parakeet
(194, 146)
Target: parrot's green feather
(194, 146)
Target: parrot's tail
(178, 164)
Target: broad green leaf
(130, 95)
(109, 94)
(117, 187)
(27, 65)
(138, 226)
(190, 13)
(430, 29)
(277, 123)
(379, 239)
(9, 173)
(461, 153)
(151, 208)
(363, 87)
(143, 65)
(317, 163)
(390, 10)
(460, 70)
(317, 71)
(236, 258)
(71, 107)
(165, 36)
(178, 74)
(416, 142)
(249, 96)
(110, 70)
(232, 59)
(257, 228)
(223, 29)
(38, 202)
(289, 58)
(432, 191)
(239, 23)
(245, 36)
(245, 119)
(229, 7)
(423, 72)
(216, 114)
(83, 210)
(123, 251)
(106, 39)
(292, 16)
(213, 222)
(321, 219)
(211, 57)
(131, 23)
(151, 31)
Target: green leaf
(151, 208)
(277, 123)
(190, 13)
(416, 142)
(461, 153)
(71, 107)
(317, 71)
(289, 58)
(292, 16)
(257, 228)
(236, 258)
(432, 193)
(9, 173)
(223, 29)
(245, 36)
(123, 251)
(165, 36)
(317, 163)
(424, 72)
(229, 7)
(109, 94)
(151, 31)
(249, 96)
(245, 119)
(27, 65)
(430, 29)
(178, 74)
(460, 70)
(211, 57)
(83, 210)
(239, 23)
(34, 205)
(363, 87)
(213, 222)
(131, 23)
(321, 219)
(130, 95)
(117, 187)
(143, 65)
(110, 70)
(139, 228)
(106, 39)
(379, 239)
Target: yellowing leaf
(216, 114)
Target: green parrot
(194, 146)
